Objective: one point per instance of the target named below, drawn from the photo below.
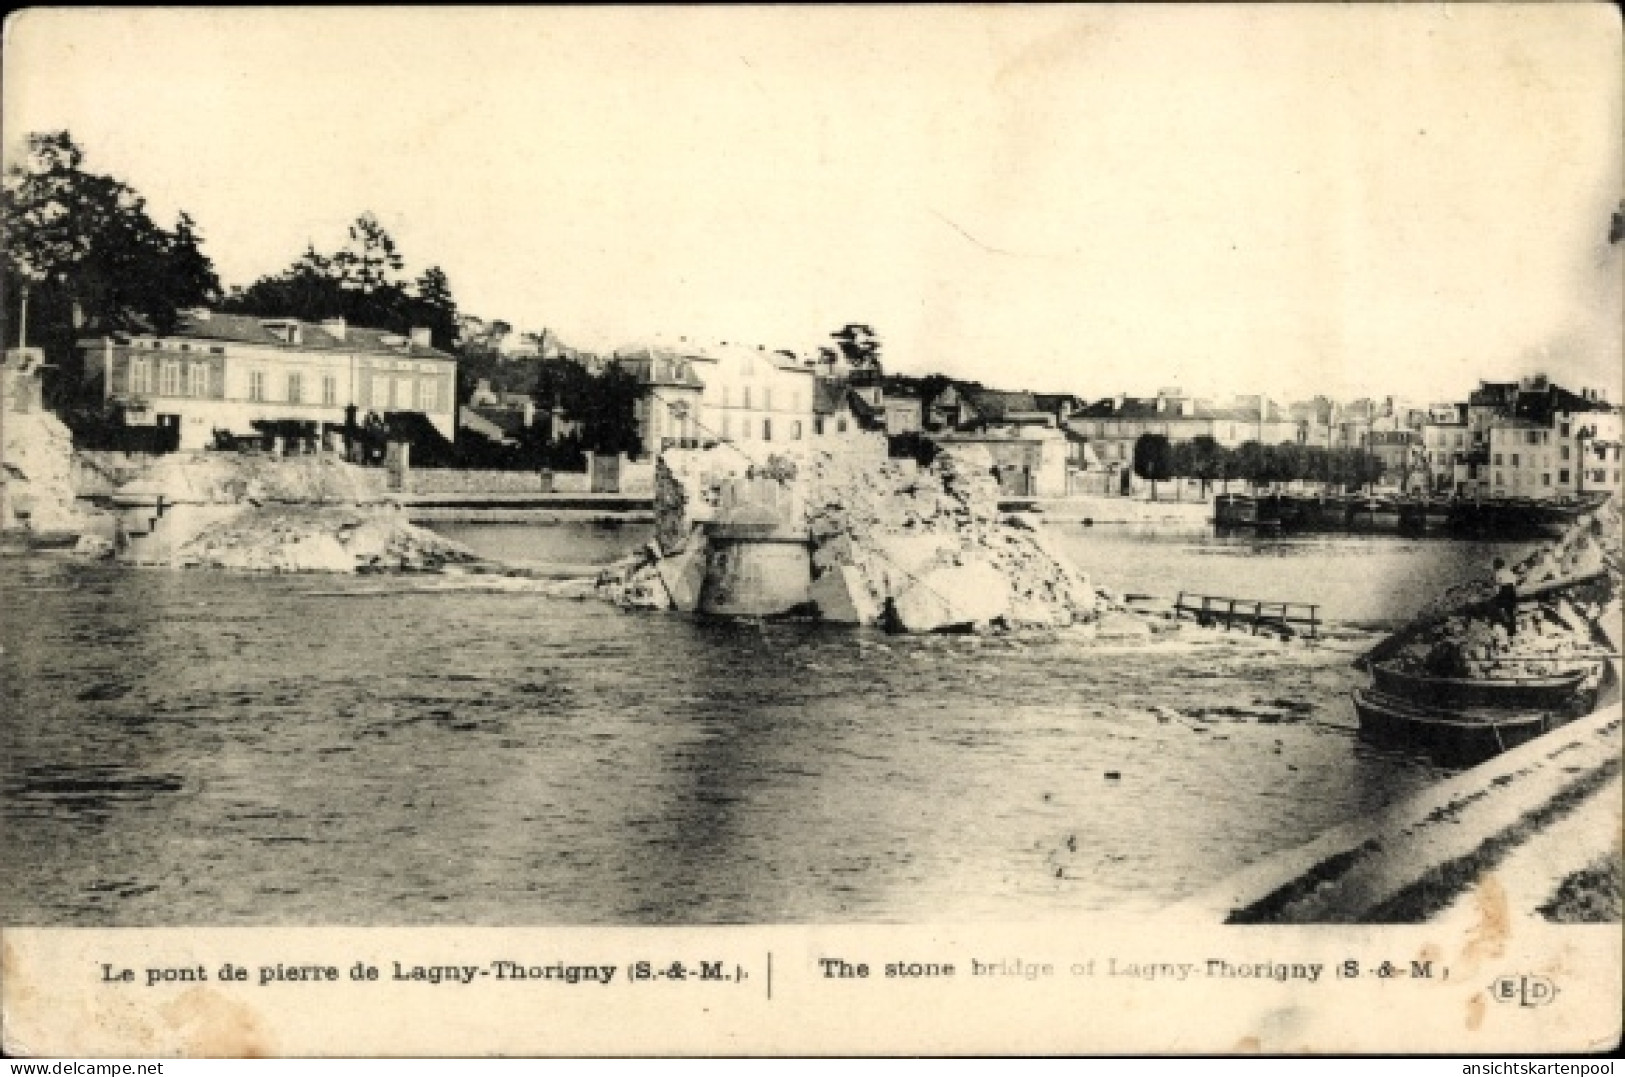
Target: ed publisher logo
(1524, 990)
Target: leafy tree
(603, 403)
(84, 250)
(1153, 459)
(1206, 461)
(370, 260)
(434, 308)
(1250, 463)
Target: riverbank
(1507, 838)
(1125, 510)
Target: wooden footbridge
(1286, 618)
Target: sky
(1342, 199)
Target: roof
(1053, 402)
(252, 329)
(1542, 404)
(1133, 407)
(474, 420)
(995, 405)
(659, 366)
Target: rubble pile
(39, 469)
(919, 549)
(232, 478)
(321, 538)
(1554, 634)
(254, 513)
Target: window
(1499, 481)
(197, 376)
(330, 390)
(1563, 430)
(256, 385)
(1563, 476)
(171, 379)
(747, 396)
(840, 426)
(1546, 479)
(427, 396)
(1564, 452)
(1514, 459)
(767, 398)
(818, 426)
(296, 388)
(380, 391)
(727, 425)
(795, 430)
(1498, 462)
(140, 375)
(403, 394)
(767, 429)
(217, 350)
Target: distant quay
(526, 508)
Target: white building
(225, 371)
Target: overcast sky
(1291, 200)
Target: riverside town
(330, 600)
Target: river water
(203, 748)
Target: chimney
(335, 327)
(422, 338)
(1117, 405)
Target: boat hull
(1525, 693)
(1450, 738)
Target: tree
(370, 260)
(1251, 465)
(603, 403)
(859, 346)
(1206, 461)
(434, 308)
(360, 283)
(1153, 459)
(84, 250)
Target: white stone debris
(929, 542)
(1468, 638)
(39, 467)
(252, 513)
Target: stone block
(952, 595)
(842, 597)
(684, 573)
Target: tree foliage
(1153, 460)
(604, 403)
(1258, 465)
(89, 255)
(361, 282)
(859, 345)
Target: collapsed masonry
(849, 538)
(1577, 583)
(39, 474)
(271, 514)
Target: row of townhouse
(1530, 439)
(1110, 427)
